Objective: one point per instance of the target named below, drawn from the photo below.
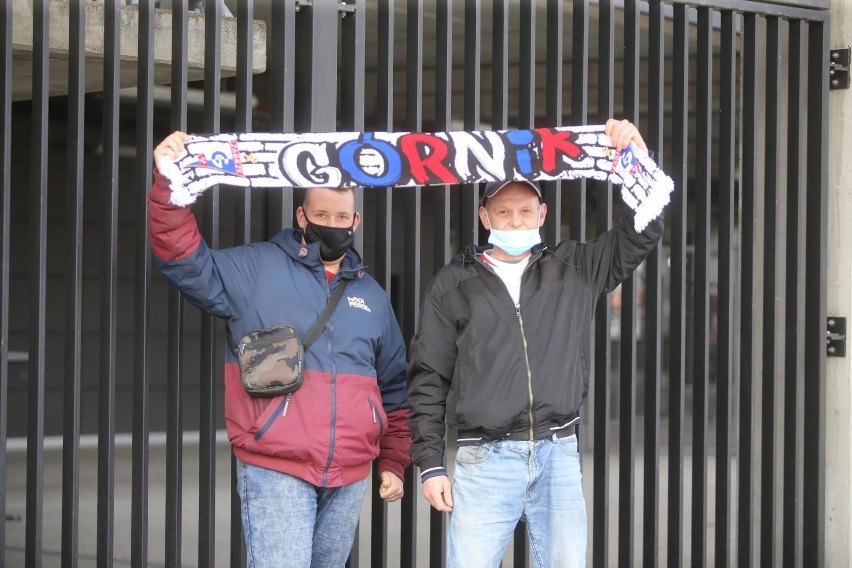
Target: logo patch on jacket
(355, 302)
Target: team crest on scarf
(385, 159)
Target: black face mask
(333, 241)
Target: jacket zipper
(282, 410)
(333, 396)
(377, 417)
(523, 338)
(529, 371)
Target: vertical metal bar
(210, 345)
(701, 289)
(443, 228)
(526, 65)
(242, 222)
(316, 88)
(38, 259)
(813, 518)
(603, 312)
(353, 33)
(109, 287)
(526, 119)
(727, 265)
(384, 112)
(748, 219)
(472, 84)
(768, 451)
(553, 111)
(142, 282)
(627, 366)
(499, 64)
(74, 288)
(174, 356)
(796, 206)
(413, 205)
(579, 108)
(384, 235)
(282, 64)
(677, 301)
(5, 216)
(653, 301)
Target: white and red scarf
(384, 159)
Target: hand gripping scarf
(383, 159)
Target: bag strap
(314, 332)
(326, 314)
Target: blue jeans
(290, 523)
(496, 484)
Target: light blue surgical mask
(515, 242)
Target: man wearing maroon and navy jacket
(303, 458)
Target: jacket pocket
(359, 423)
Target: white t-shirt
(510, 273)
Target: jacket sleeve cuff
(393, 466)
(432, 472)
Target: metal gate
(701, 440)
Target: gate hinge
(838, 69)
(835, 337)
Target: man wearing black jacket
(501, 354)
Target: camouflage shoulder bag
(271, 360)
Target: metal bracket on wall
(835, 337)
(838, 69)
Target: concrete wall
(838, 407)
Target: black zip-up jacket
(490, 368)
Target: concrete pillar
(838, 400)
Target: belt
(470, 437)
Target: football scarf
(398, 159)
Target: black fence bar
(553, 111)
(5, 219)
(526, 119)
(38, 286)
(677, 213)
(282, 63)
(725, 313)
(210, 368)
(384, 238)
(242, 222)
(173, 526)
(701, 296)
(748, 220)
(768, 450)
(602, 345)
(579, 110)
(499, 64)
(73, 288)
(413, 229)
(142, 283)
(627, 339)
(816, 239)
(472, 116)
(109, 285)
(653, 301)
(442, 221)
(796, 207)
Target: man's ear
(301, 219)
(356, 221)
(542, 213)
(483, 217)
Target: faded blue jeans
(290, 523)
(496, 484)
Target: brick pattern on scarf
(399, 159)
